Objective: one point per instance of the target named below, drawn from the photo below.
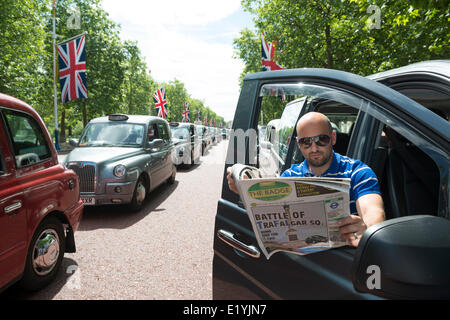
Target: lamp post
(55, 102)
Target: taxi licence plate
(88, 201)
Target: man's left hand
(352, 228)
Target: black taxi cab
(187, 143)
(121, 158)
(397, 123)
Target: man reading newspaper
(315, 138)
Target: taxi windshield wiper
(99, 144)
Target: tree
(176, 95)
(104, 61)
(338, 34)
(138, 84)
(342, 35)
(22, 72)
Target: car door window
(192, 133)
(27, 138)
(397, 151)
(278, 135)
(292, 99)
(163, 132)
(2, 163)
(152, 132)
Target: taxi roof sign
(118, 117)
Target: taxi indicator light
(117, 117)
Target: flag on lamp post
(186, 113)
(159, 97)
(268, 55)
(72, 68)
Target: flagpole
(74, 37)
(55, 101)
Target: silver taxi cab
(121, 158)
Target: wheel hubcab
(140, 193)
(46, 252)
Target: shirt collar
(333, 167)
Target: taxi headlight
(120, 170)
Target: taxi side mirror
(73, 142)
(155, 144)
(405, 258)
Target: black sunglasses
(321, 140)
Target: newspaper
(293, 214)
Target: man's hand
(370, 211)
(231, 183)
(352, 228)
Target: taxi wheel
(171, 179)
(192, 158)
(140, 192)
(45, 254)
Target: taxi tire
(31, 281)
(134, 204)
(192, 158)
(172, 177)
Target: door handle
(229, 239)
(15, 206)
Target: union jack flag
(198, 115)
(159, 97)
(268, 55)
(72, 69)
(205, 121)
(186, 113)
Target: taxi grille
(86, 173)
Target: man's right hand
(231, 183)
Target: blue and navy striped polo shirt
(362, 178)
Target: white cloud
(171, 12)
(165, 31)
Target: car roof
(180, 124)
(438, 68)
(142, 119)
(379, 90)
(9, 101)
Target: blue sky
(191, 41)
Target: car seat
(412, 179)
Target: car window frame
(368, 112)
(165, 135)
(3, 168)
(11, 141)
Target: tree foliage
(118, 78)
(358, 36)
(342, 34)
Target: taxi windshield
(180, 132)
(200, 131)
(110, 134)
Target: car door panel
(13, 217)
(13, 227)
(305, 271)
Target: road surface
(164, 251)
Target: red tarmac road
(164, 251)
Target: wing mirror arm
(155, 144)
